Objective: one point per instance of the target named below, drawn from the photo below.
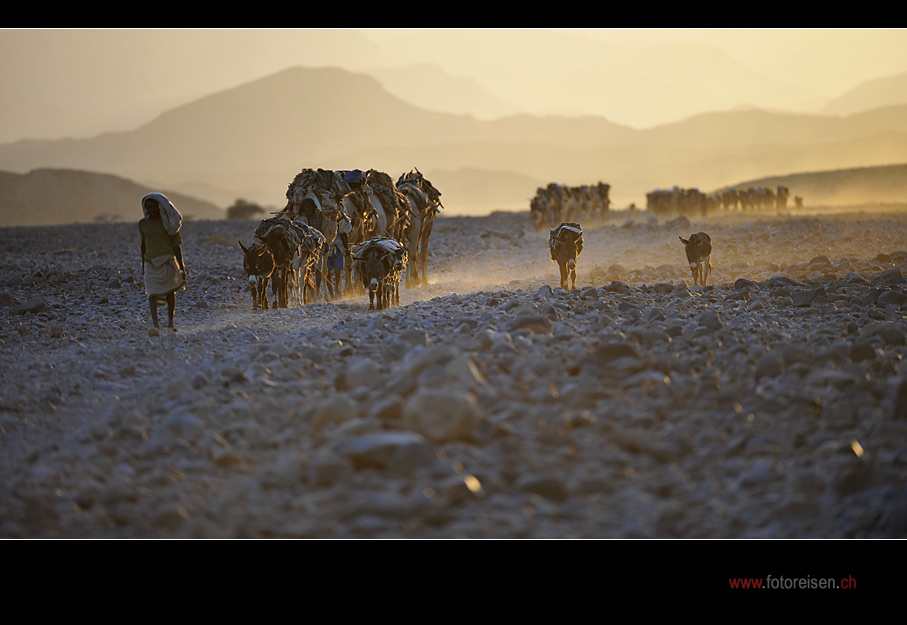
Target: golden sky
(822, 59)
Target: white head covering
(169, 214)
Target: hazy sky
(78, 82)
(825, 60)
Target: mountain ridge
(49, 196)
(250, 140)
(876, 93)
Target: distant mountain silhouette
(249, 141)
(881, 92)
(632, 83)
(430, 87)
(637, 84)
(56, 196)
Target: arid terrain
(491, 404)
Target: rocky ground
(490, 404)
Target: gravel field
(491, 404)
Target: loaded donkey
(566, 243)
(378, 264)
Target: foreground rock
(492, 404)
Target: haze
(82, 82)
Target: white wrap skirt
(163, 276)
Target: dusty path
(487, 405)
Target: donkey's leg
(328, 283)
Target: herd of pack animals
(385, 228)
(695, 203)
(558, 203)
(562, 208)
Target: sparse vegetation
(244, 209)
(107, 218)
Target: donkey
(284, 285)
(424, 203)
(566, 244)
(311, 244)
(374, 272)
(392, 286)
(366, 221)
(379, 265)
(282, 241)
(699, 249)
(328, 225)
(315, 199)
(308, 270)
(258, 263)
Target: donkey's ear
(685, 242)
(242, 246)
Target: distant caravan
(557, 203)
(677, 201)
